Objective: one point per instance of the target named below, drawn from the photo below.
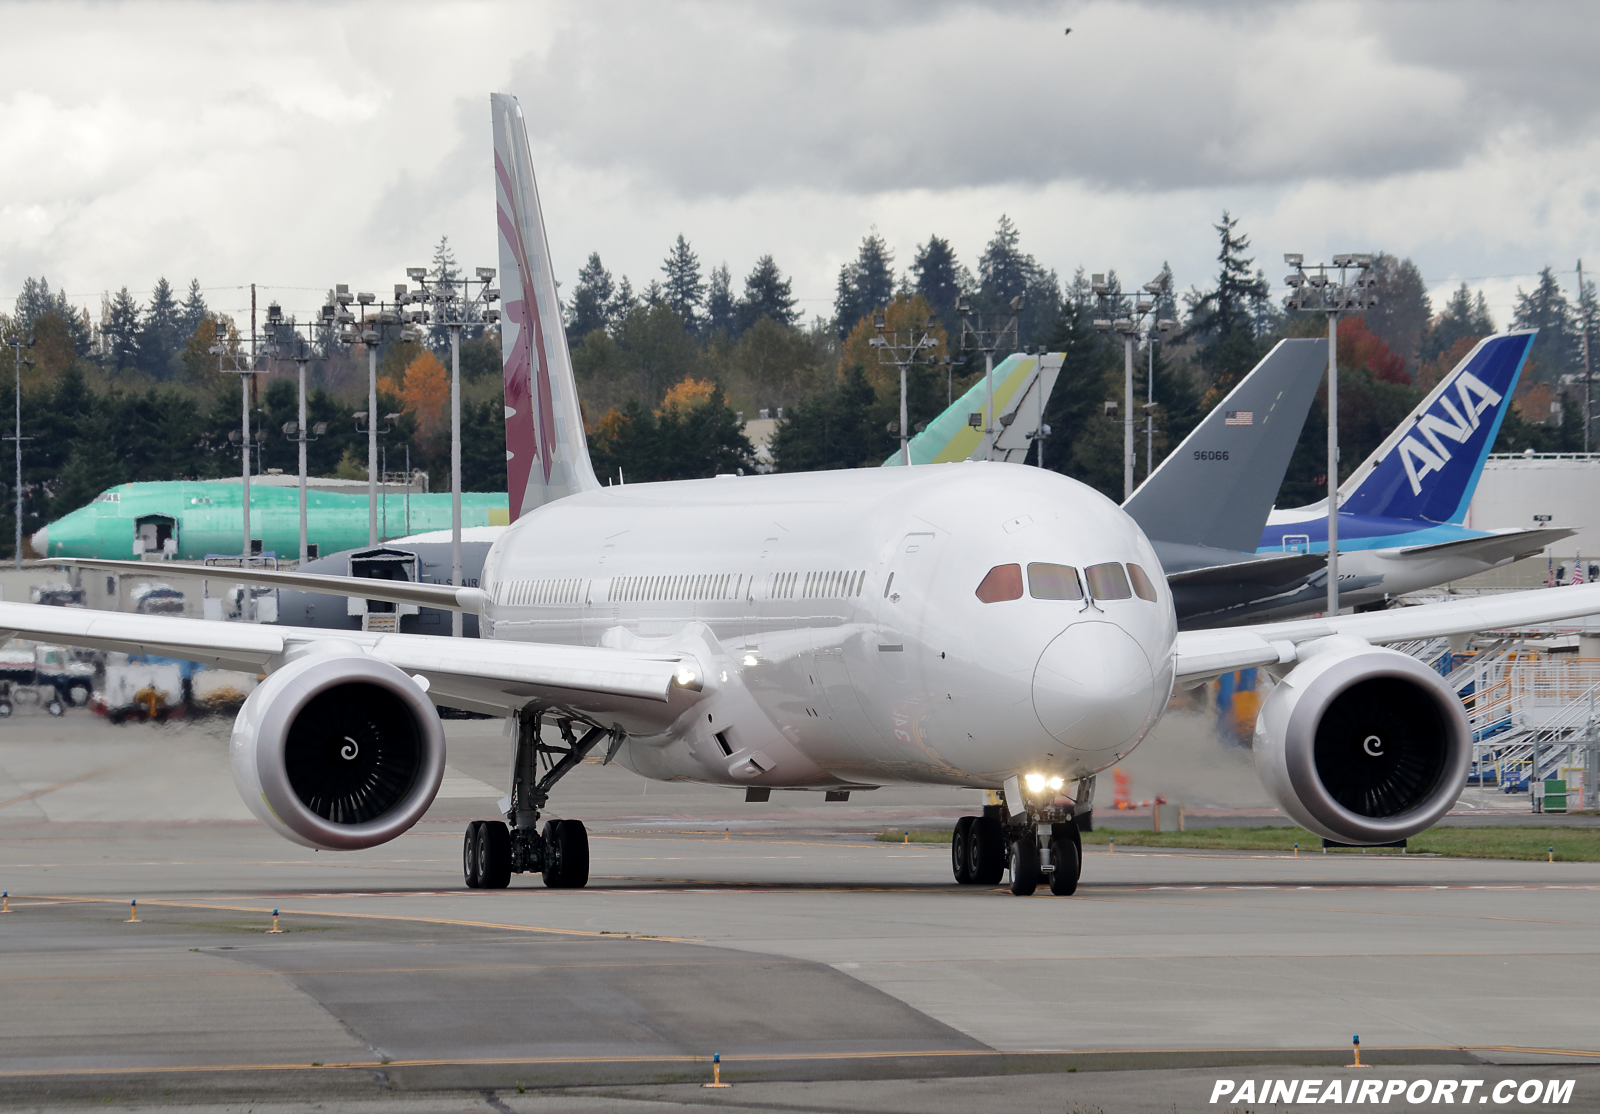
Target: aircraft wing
(1204, 654)
(442, 596)
(1494, 548)
(1271, 571)
(476, 674)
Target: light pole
(454, 311)
(1588, 377)
(244, 367)
(989, 336)
(340, 313)
(902, 353)
(1126, 314)
(18, 344)
(1311, 289)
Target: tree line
(667, 375)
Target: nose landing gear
(494, 850)
(1035, 849)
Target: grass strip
(1529, 843)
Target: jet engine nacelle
(1363, 745)
(338, 751)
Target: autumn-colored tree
(424, 394)
(906, 317)
(1441, 365)
(1359, 346)
(691, 394)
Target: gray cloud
(726, 99)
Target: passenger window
(1108, 581)
(1141, 583)
(1004, 582)
(1054, 582)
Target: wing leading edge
(634, 688)
(1204, 654)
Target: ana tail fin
(1429, 466)
(546, 454)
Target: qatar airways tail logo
(1445, 422)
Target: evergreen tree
(159, 340)
(121, 330)
(654, 295)
(1461, 317)
(445, 277)
(722, 312)
(866, 285)
(941, 280)
(684, 290)
(766, 294)
(1403, 311)
(193, 312)
(1006, 273)
(1556, 351)
(840, 427)
(37, 301)
(1222, 318)
(625, 301)
(590, 308)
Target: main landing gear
(1034, 849)
(494, 850)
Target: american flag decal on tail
(1239, 417)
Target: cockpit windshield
(1054, 582)
(1107, 581)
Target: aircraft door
(905, 594)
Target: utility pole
(989, 334)
(296, 430)
(1311, 289)
(454, 310)
(1125, 316)
(18, 344)
(245, 368)
(902, 353)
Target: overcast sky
(299, 145)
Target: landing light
(687, 678)
(1037, 783)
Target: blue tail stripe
(1432, 463)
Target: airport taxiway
(781, 936)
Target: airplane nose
(1093, 688)
(41, 541)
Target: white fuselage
(837, 621)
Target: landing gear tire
(960, 864)
(494, 855)
(471, 865)
(986, 851)
(566, 855)
(1024, 864)
(1066, 857)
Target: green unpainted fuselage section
(209, 518)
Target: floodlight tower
(454, 309)
(18, 344)
(989, 334)
(1124, 315)
(901, 348)
(370, 334)
(1312, 288)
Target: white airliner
(971, 624)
